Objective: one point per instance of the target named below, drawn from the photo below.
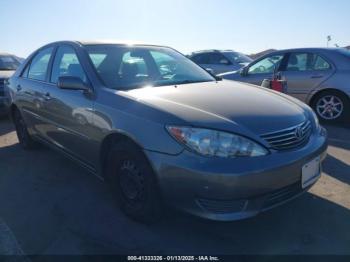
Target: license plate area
(311, 171)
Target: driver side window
(66, 63)
(266, 65)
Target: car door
(32, 89)
(70, 110)
(304, 72)
(262, 69)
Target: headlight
(216, 143)
(315, 119)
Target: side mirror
(218, 78)
(243, 71)
(211, 72)
(72, 83)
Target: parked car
(319, 77)
(162, 131)
(8, 65)
(220, 61)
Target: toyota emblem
(299, 132)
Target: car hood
(224, 105)
(6, 73)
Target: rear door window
(318, 63)
(297, 62)
(306, 62)
(39, 65)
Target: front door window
(266, 66)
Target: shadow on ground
(337, 169)
(55, 207)
(6, 125)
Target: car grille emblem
(299, 133)
(290, 137)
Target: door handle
(317, 76)
(19, 88)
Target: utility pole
(329, 38)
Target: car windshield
(344, 51)
(238, 57)
(8, 62)
(129, 67)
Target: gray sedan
(319, 77)
(8, 65)
(162, 131)
(220, 61)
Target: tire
(24, 138)
(133, 183)
(331, 107)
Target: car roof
(307, 49)
(106, 42)
(211, 51)
(5, 54)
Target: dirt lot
(55, 207)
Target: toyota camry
(161, 131)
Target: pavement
(50, 205)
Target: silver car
(319, 77)
(220, 61)
(162, 131)
(8, 65)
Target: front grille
(221, 206)
(289, 138)
(281, 195)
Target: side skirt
(70, 156)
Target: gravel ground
(55, 207)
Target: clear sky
(244, 25)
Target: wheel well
(13, 108)
(108, 143)
(328, 90)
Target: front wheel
(331, 107)
(133, 182)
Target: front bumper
(232, 189)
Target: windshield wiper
(7, 69)
(190, 82)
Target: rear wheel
(24, 137)
(133, 182)
(331, 107)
